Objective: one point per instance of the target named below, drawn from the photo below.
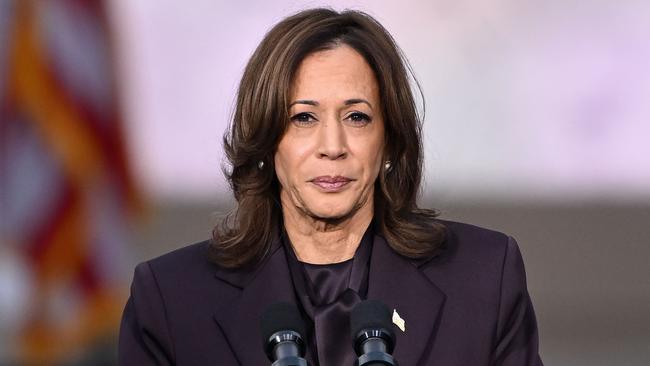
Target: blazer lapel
(392, 279)
(398, 283)
(239, 318)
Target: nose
(332, 142)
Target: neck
(319, 241)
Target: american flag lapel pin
(397, 320)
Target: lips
(331, 184)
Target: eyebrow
(347, 102)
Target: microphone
(282, 328)
(372, 334)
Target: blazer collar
(392, 279)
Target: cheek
(372, 154)
(375, 162)
(288, 159)
(280, 163)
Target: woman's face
(329, 157)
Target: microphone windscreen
(370, 314)
(281, 316)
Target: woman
(326, 161)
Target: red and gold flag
(67, 192)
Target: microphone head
(372, 318)
(279, 317)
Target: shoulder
(190, 260)
(481, 272)
(167, 317)
(475, 256)
(466, 242)
(179, 275)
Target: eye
(359, 118)
(303, 119)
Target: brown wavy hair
(261, 117)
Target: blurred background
(537, 124)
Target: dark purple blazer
(468, 306)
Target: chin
(329, 209)
(330, 214)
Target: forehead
(340, 71)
